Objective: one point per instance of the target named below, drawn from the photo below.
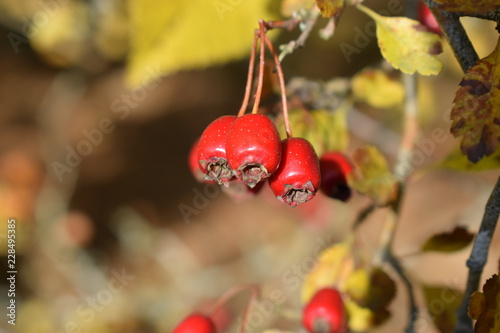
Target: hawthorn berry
(426, 18)
(325, 312)
(298, 176)
(194, 165)
(195, 323)
(212, 150)
(253, 148)
(334, 168)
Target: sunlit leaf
(442, 304)
(334, 263)
(469, 7)
(376, 88)
(371, 175)
(459, 162)
(288, 7)
(476, 113)
(177, 35)
(485, 307)
(362, 319)
(330, 8)
(454, 240)
(406, 44)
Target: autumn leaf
(444, 315)
(454, 240)
(334, 263)
(459, 162)
(484, 307)
(330, 8)
(372, 289)
(406, 44)
(476, 113)
(362, 319)
(169, 36)
(376, 88)
(371, 175)
(469, 7)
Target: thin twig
(363, 215)
(248, 87)
(281, 78)
(260, 80)
(479, 256)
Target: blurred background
(100, 103)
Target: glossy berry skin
(426, 18)
(253, 148)
(325, 312)
(195, 323)
(193, 163)
(334, 168)
(212, 150)
(298, 177)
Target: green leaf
(169, 36)
(406, 44)
(476, 113)
(457, 161)
(376, 88)
(442, 304)
(455, 240)
(371, 175)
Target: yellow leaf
(376, 88)
(476, 113)
(406, 44)
(362, 319)
(371, 175)
(334, 263)
(372, 289)
(330, 8)
(178, 35)
(459, 162)
(444, 316)
(469, 7)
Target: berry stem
(248, 87)
(282, 86)
(260, 80)
(228, 295)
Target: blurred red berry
(195, 323)
(298, 176)
(334, 168)
(212, 150)
(325, 312)
(426, 18)
(253, 148)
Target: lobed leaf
(330, 8)
(485, 307)
(459, 162)
(476, 113)
(406, 44)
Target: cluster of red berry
(324, 313)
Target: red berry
(194, 165)
(325, 312)
(195, 323)
(212, 150)
(253, 148)
(334, 168)
(298, 177)
(426, 18)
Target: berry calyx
(195, 323)
(334, 168)
(325, 312)
(298, 176)
(212, 150)
(253, 148)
